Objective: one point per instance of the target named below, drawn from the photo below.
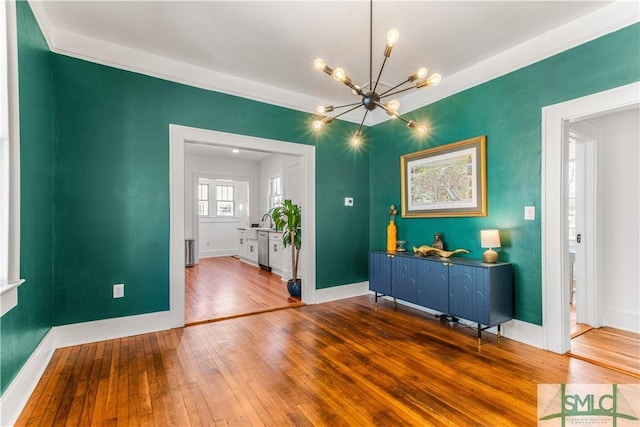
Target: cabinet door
(242, 245)
(433, 288)
(469, 293)
(252, 250)
(380, 272)
(405, 274)
(275, 251)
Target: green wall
(112, 185)
(508, 111)
(24, 326)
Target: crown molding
(589, 27)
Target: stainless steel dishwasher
(263, 250)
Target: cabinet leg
(499, 331)
(479, 334)
(395, 304)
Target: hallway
(225, 287)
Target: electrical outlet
(348, 201)
(118, 290)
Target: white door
(583, 240)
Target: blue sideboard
(456, 287)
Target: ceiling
(264, 50)
(225, 151)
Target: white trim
(107, 329)
(589, 27)
(214, 253)
(335, 293)
(555, 119)
(19, 391)
(10, 179)
(178, 136)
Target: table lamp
(489, 239)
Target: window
(224, 200)
(203, 199)
(275, 191)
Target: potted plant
(286, 217)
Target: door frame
(555, 243)
(178, 136)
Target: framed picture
(445, 181)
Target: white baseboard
(19, 391)
(17, 394)
(107, 329)
(212, 253)
(621, 319)
(335, 293)
(524, 332)
(517, 330)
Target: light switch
(348, 201)
(530, 213)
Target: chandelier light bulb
(422, 73)
(434, 80)
(319, 64)
(324, 109)
(392, 37)
(422, 130)
(339, 74)
(393, 106)
(317, 125)
(356, 139)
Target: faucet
(264, 217)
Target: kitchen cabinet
(242, 243)
(248, 244)
(276, 252)
(252, 250)
(456, 287)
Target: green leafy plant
(287, 217)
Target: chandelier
(371, 99)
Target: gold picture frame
(446, 181)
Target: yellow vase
(392, 236)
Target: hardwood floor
(609, 347)
(225, 287)
(336, 364)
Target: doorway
(178, 137)
(555, 250)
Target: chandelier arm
(403, 119)
(362, 122)
(396, 92)
(395, 87)
(349, 105)
(345, 112)
(380, 73)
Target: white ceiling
(264, 49)
(225, 151)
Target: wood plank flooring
(336, 364)
(609, 347)
(225, 287)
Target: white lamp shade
(489, 239)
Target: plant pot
(294, 287)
